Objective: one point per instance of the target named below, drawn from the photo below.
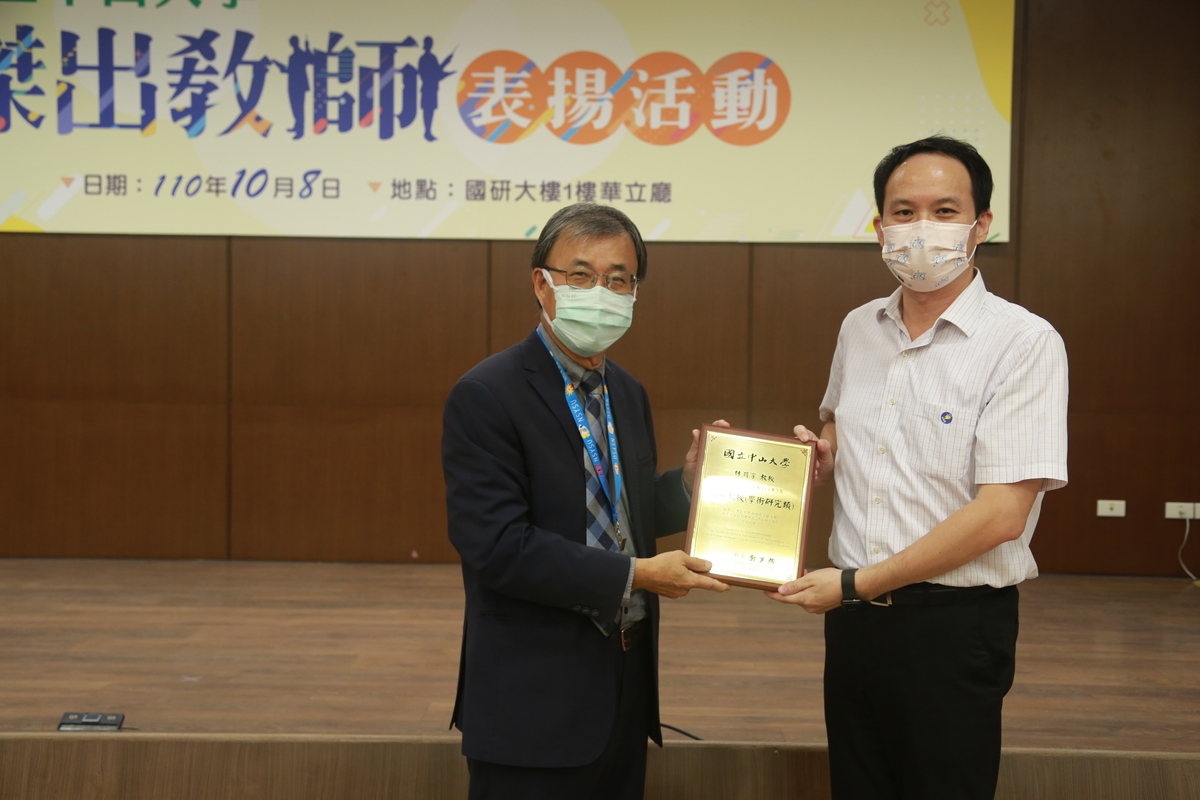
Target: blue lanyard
(585, 433)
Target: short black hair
(964, 153)
(588, 220)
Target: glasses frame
(633, 280)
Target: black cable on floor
(681, 730)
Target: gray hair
(588, 220)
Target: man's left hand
(816, 592)
(689, 461)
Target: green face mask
(589, 321)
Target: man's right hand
(673, 574)
(824, 453)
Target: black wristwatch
(850, 598)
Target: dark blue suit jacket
(536, 685)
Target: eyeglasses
(618, 282)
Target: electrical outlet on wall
(1180, 510)
(1110, 508)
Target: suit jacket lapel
(547, 382)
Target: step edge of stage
(302, 738)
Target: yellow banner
(703, 121)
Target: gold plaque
(750, 506)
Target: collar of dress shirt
(963, 313)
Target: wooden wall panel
(335, 321)
(114, 318)
(688, 344)
(344, 483)
(998, 265)
(343, 352)
(1110, 162)
(113, 385)
(691, 326)
(1104, 465)
(137, 766)
(112, 480)
(1110, 198)
(801, 295)
(513, 309)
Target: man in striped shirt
(944, 425)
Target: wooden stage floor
(1104, 663)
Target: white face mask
(589, 321)
(926, 255)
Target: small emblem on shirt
(947, 417)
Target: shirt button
(875, 550)
(577, 609)
(878, 500)
(595, 613)
(892, 402)
(883, 450)
(904, 354)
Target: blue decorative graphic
(247, 102)
(106, 71)
(296, 70)
(386, 74)
(195, 115)
(432, 73)
(18, 55)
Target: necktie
(601, 531)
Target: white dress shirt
(979, 398)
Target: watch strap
(850, 598)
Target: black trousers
(913, 696)
(620, 771)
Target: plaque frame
(801, 533)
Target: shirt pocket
(939, 439)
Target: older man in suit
(554, 501)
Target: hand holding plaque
(750, 505)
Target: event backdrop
(759, 120)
